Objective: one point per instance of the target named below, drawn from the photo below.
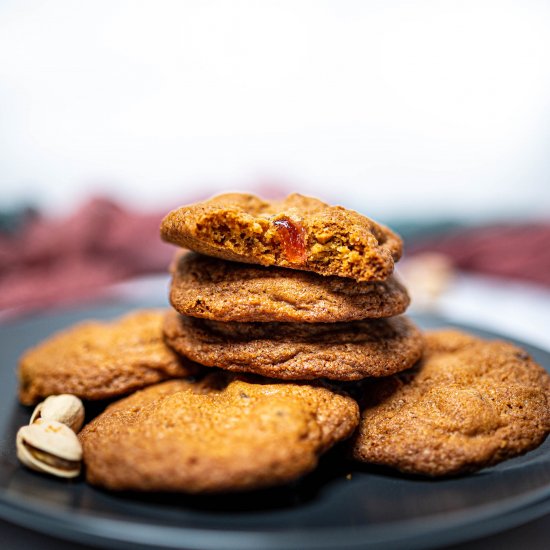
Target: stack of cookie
(271, 300)
(293, 290)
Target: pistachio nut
(51, 447)
(64, 408)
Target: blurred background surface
(416, 108)
(433, 117)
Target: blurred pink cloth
(509, 251)
(52, 262)
(59, 261)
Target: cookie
(229, 291)
(97, 360)
(298, 232)
(294, 351)
(468, 404)
(218, 435)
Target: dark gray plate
(373, 509)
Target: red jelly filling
(293, 239)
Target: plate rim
(105, 531)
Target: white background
(396, 108)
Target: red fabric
(59, 261)
(509, 251)
(53, 262)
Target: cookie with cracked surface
(298, 351)
(297, 232)
(101, 360)
(221, 434)
(468, 404)
(220, 290)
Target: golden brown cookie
(298, 232)
(468, 404)
(229, 291)
(218, 435)
(298, 351)
(98, 360)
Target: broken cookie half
(297, 232)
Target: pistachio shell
(51, 447)
(64, 408)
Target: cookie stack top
(291, 289)
(298, 232)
